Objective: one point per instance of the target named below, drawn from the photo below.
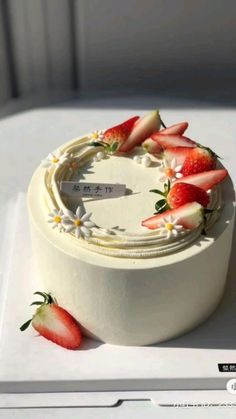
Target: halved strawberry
(190, 216)
(199, 159)
(177, 153)
(143, 128)
(205, 180)
(54, 323)
(152, 146)
(179, 128)
(119, 133)
(172, 140)
(181, 193)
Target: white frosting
(118, 232)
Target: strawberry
(199, 159)
(179, 128)
(190, 216)
(205, 180)
(143, 128)
(177, 153)
(152, 146)
(172, 140)
(181, 193)
(54, 323)
(119, 133)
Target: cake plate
(34, 371)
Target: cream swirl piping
(115, 243)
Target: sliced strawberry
(205, 180)
(179, 128)
(177, 153)
(54, 323)
(121, 132)
(172, 140)
(143, 128)
(190, 216)
(199, 159)
(181, 193)
(152, 146)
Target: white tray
(31, 364)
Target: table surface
(28, 136)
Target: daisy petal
(85, 230)
(178, 168)
(89, 224)
(178, 227)
(175, 233)
(77, 232)
(86, 216)
(178, 175)
(173, 163)
(79, 212)
(69, 228)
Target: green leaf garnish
(161, 206)
(36, 303)
(114, 147)
(158, 192)
(25, 325)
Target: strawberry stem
(162, 123)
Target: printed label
(93, 190)
(227, 367)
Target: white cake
(124, 283)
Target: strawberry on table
(190, 216)
(179, 128)
(121, 132)
(199, 159)
(54, 323)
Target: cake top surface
(168, 191)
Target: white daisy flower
(170, 226)
(56, 218)
(170, 170)
(78, 223)
(97, 135)
(55, 159)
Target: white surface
(27, 137)
(96, 367)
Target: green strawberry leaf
(25, 325)
(161, 206)
(96, 144)
(114, 147)
(36, 303)
(158, 192)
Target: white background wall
(143, 45)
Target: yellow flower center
(95, 135)
(169, 172)
(77, 222)
(57, 219)
(73, 164)
(169, 226)
(55, 160)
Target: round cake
(131, 230)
